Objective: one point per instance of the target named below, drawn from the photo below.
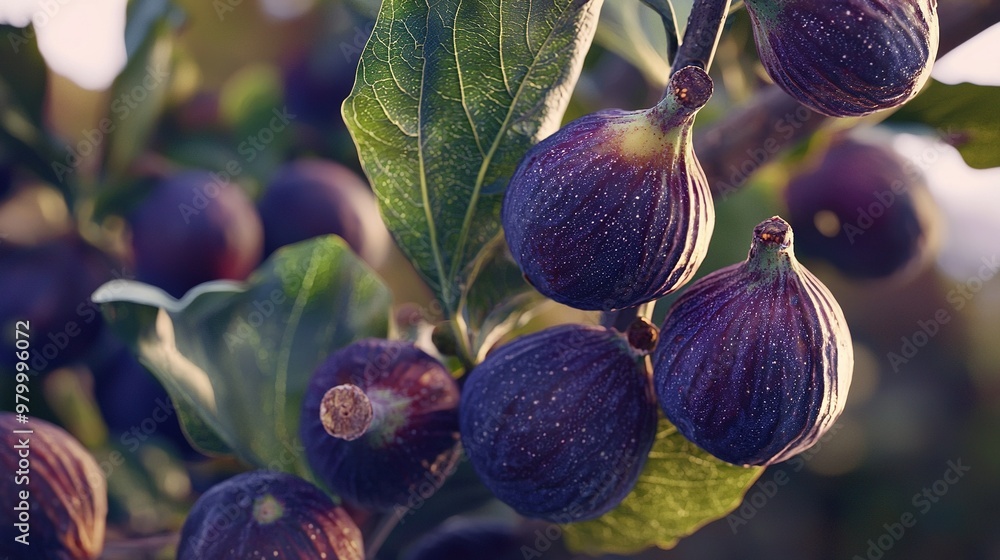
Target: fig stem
(701, 37)
(666, 11)
(346, 412)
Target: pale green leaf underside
(449, 95)
(681, 488)
(236, 358)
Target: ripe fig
(479, 540)
(558, 423)
(46, 288)
(379, 420)
(863, 209)
(193, 228)
(54, 492)
(311, 197)
(263, 514)
(614, 210)
(847, 58)
(755, 360)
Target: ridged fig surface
(67, 504)
(558, 423)
(614, 210)
(863, 209)
(410, 437)
(264, 514)
(755, 360)
(847, 57)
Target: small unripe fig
(193, 228)
(863, 209)
(311, 197)
(379, 419)
(614, 210)
(263, 514)
(54, 493)
(558, 423)
(755, 359)
(847, 58)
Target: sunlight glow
(974, 61)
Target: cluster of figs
(752, 363)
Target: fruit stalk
(704, 28)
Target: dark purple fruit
(54, 494)
(482, 541)
(193, 228)
(614, 210)
(379, 421)
(847, 58)
(558, 423)
(755, 360)
(863, 209)
(45, 294)
(265, 514)
(312, 197)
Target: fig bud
(379, 419)
(755, 359)
(863, 209)
(614, 210)
(54, 493)
(847, 58)
(263, 514)
(558, 424)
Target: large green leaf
(449, 95)
(966, 114)
(680, 489)
(236, 358)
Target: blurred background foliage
(214, 73)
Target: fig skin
(874, 209)
(847, 58)
(755, 360)
(614, 210)
(402, 430)
(558, 424)
(68, 501)
(190, 229)
(469, 539)
(263, 514)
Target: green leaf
(680, 489)
(449, 95)
(965, 114)
(24, 70)
(236, 358)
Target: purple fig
(264, 514)
(755, 360)
(614, 210)
(864, 209)
(379, 421)
(558, 423)
(54, 492)
(847, 58)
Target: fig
(54, 493)
(380, 421)
(614, 210)
(558, 423)
(311, 197)
(846, 58)
(863, 209)
(264, 514)
(46, 290)
(195, 227)
(469, 539)
(755, 359)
